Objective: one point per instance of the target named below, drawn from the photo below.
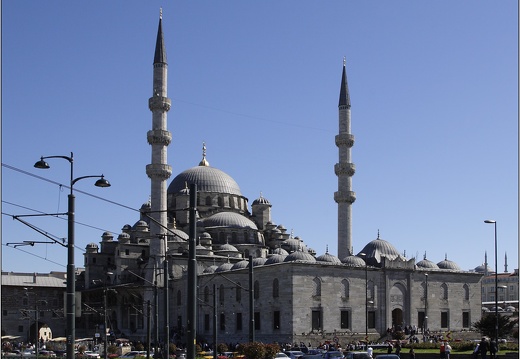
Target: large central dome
(207, 179)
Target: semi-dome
(228, 220)
(275, 258)
(300, 256)
(259, 261)
(353, 261)
(207, 179)
(210, 269)
(447, 264)
(227, 248)
(177, 235)
(281, 251)
(379, 248)
(293, 245)
(426, 263)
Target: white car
(281, 355)
(92, 355)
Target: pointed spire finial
(378, 234)
(160, 13)
(344, 61)
(327, 249)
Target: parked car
(47, 353)
(357, 355)
(92, 355)
(294, 354)
(387, 356)
(281, 355)
(333, 354)
(134, 353)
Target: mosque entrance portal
(397, 317)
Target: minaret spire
(505, 262)
(344, 170)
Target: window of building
(20, 329)
(371, 319)
(444, 320)
(127, 252)
(370, 289)
(220, 202)
(276, 320)
(257, 320)
(206, 294)
(239, 321)
(208, 201)
(206, 322)
(420, 319)
(221, 294)
(345, 319)
(444, 291)
(465, 287)
(42, 314)
(316, 320)
(276, 288)
(465, 320)
(222, 321)
(316, 292)
(257, 289)
(179, 297)
(234, 237)
(238, 292)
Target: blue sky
(434, 92)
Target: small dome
(241, 265)
(261, 200)
(259, 261)
(207, 179)
(280, 251)
(126, 227)
(329, 258)
(177, 235)
(300, 256)
(123, 237)
(146, 206)
(92, 246)
(482, 269)
(224, 267)
(447, 264)
(140, 226)
(425, 263)
(210, 269)
(293, 245)
(205, 235)
(107, 237)
(353, 261)
(275, 258)
(227, 248)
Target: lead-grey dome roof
(228, 220)
(378, 248)
(329, 258)
(207, 179)
(353, 261)
(300, 256)
(447, 264)
(275, 258)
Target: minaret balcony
(345, 197)
(159, 103)
(159, 137)
(345, 139)
(345, 169)
(158, 171)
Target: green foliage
(222, 347)
(112, 349)
(486, 325)
(172, 348)
(139, 346)
(254, 350)
(398, 335)
(271, 350)
(198, 348)
(81, 349)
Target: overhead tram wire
(35, 255)
(65, 186)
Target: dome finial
(160, 13)
(378, 234)
(424, 255)
(204, 162)
(445, 256)
(327, 249)
(344, 60)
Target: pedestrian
(370, 350)
(398, 348)
(484, 347)
(442, 349)
(493, 348)
(447, 350)
(390, 348)
(476, 351)
(412, 353)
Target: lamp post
(491, 221)
(425, 304)
(366, 297)
(105, 337)
(71, 272)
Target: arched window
(208, 201)
(220, 202)
(221, 293)
(238, 293)
(423, 286)
(444, 291)
(370, 289)
(206, 294)
(246, 253)
(179, 297)
(316, 292)
(276, 288)
(465, 287)
(257, 289)
(234, 237)
(346, 288)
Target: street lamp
(105, 337)
(491, 221)
(366, 297)
(71, 273)
(425, 304)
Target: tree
(486, 325)
(271, 350)
(254, 350)
(222, 347)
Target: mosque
(254, 278)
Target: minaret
(344, 169)
(159, 138)
(505, 262)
